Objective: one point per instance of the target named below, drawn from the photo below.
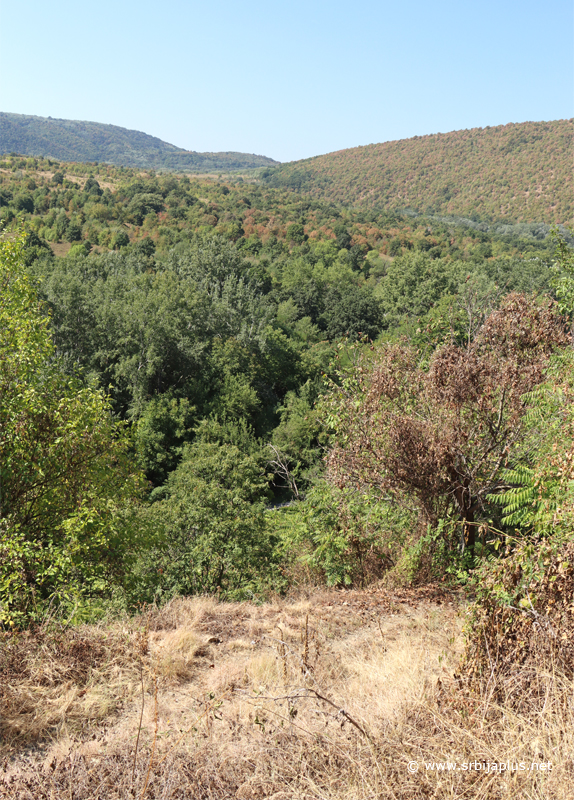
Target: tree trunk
(470, 532)
(464, 502)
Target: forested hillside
(515, 173)
(215, 316)
(102, 206)
(74, 140)
(224, 388)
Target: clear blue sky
(288, 79)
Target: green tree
(91, 186)
(141, 204)
(296, 233)
(163, 428)
(414, 282)
(74, 232)
(66, 482)
(120, 239)
(24, 202)
(563, 278)
(351, 311)
(214, 522)
(343, 237)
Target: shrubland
(161, 402)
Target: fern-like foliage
(521, 502)
(539, 492)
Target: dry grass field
(348, 695)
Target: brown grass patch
(53, 680)
(60, 249)
(308, 699)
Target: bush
(520, 630)
(521, 627)
(353, 537)
(215, 534)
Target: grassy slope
(73, 140)
(516, 172)
(328, 696)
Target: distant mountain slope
(73, 140)
(516, 172)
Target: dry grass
(60, 249)
(65, 680)
(330, 696)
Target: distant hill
(73, 140)
(516, 173)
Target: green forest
(76, 140)
(222, 387)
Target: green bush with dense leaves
(67, 484)
(215, 537)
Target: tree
(442, 435)
(296, 233)
(74, 232)
(214, 523)
(24, 202)
(66, 482)
(563, 278)
(141, 204)
(343, 237)
(414, 282)
(162, 430)
(120, 239)
(91, 186)
(351, 311)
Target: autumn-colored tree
(441, 433)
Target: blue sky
(288, 79)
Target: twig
(341, 712)
(381, 632)
(295, 696)
(294, 724)
(306, 645)
(147, 777)
(283, 654)
(140, 725)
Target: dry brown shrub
(520, 650)
(440, 436)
